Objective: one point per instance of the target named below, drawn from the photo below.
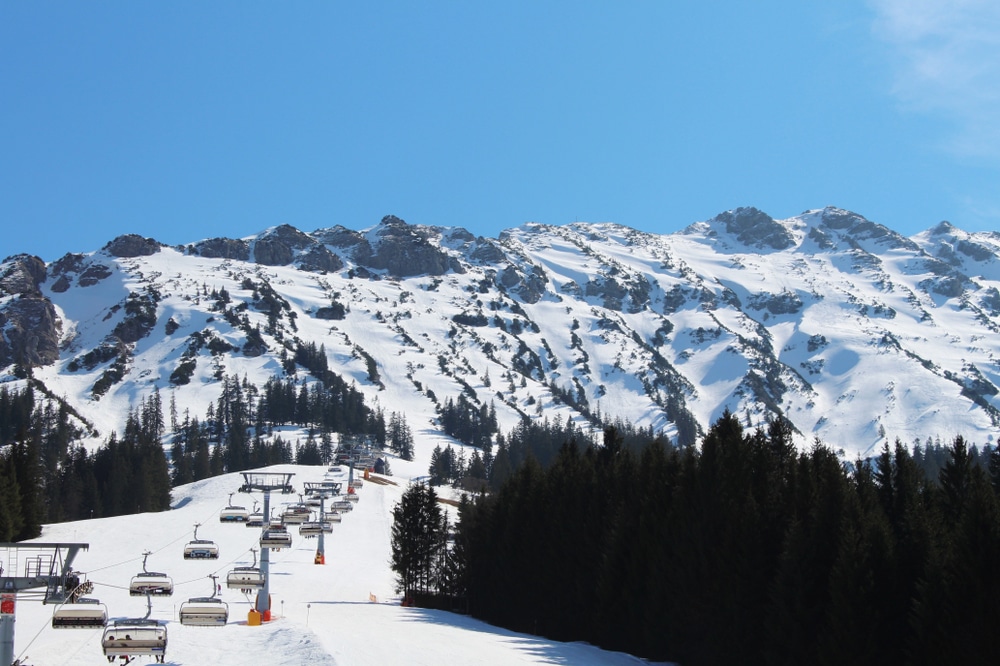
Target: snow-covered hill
(852, 332)
(343, 612)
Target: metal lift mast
(266, 482)
(46, 565)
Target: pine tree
(416, 539)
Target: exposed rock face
(338, 236)
(777, 304)
(23, 275)
(861, 229)
(529, 286)
(94, 274)
(132, 245)
(278, 247)
(30, 332)
(223, 248)
(755, 228)
(404, 251)
(272, 252)
(320, 259)
(486, 252)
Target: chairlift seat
(149, 582)
(275, 539)
(204, 612)
(134, 638)
(201, 549)
(245, 578)
(255, 520)
(83, 614)
(234, 514)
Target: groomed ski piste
(345, 612)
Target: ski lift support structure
(46, 565)
(323, 493)
(266, 482)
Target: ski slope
(345, 612)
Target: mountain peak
(754, 228)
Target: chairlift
(205, 611)
(296, 514)
(342, 505)
(276, 537)
(150, 582)
(137, 637)
(331, 517)
(315, 528)
(255, 519)
(246, 579)
(197, 549)
(233, 513)
(84, 613)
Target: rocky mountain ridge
(852, 332)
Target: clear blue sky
(187, 120)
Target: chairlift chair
(255, 519)
(233, 513)
(205, 611)
(246, 579)
(296, 514)
(275, 539)
(331, 517)
(200, 548)
(136, 637)
(315, 528)
(150, 582)
(84, 613)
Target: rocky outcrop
(319, 259)
(23, 274)
(132, 245)
(862, 229)
(272, 252)
(755, 228)
(404, 251)
(223, 248)
(94, 274)
(30, 331)
(338, 236)
(529, 286)
(285, 244)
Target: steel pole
(264, 596)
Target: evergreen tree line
(236, 432)
(467, 423)
(743, 551)
(47, 477)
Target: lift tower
(266, 482)
(47, 566)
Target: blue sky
(187, 120)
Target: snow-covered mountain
(852, 332)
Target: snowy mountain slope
(343, 612)
(853, 333)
